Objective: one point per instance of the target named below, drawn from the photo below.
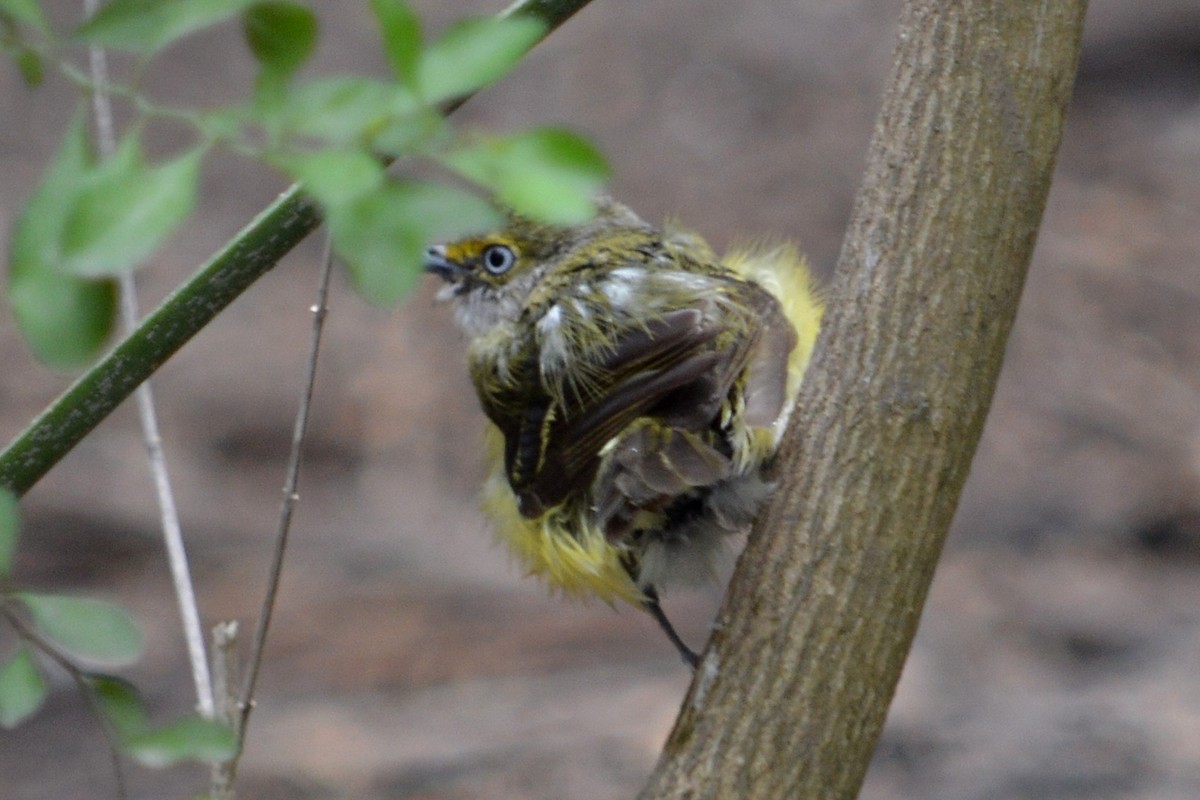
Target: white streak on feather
(620, 290)
(553, 343)
(631, 275)
(690, 281)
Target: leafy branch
(94, 220)
(380, 224)
(65, 630)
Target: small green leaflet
(27, 11)
(65, 319)
(282, 37)
(94, 630)
(401, 30)
(119, 701)
(334, 177)
(382, 236)
(344, 110)
(472, 54)
(144, 26)
(189, 739)
(22, 688)
(126, 209)
(548, 173)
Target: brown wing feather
(671, 368)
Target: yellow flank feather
(782, 271)
(579, 564)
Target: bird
(637, 387)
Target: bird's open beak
(437, 263)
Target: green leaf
(548, 173)
(30, 65)
(144, 26)
(22, 688)
(126, 210)
(189, 739)
(281, 36)
(382, 236)
(121, 705)
(10, 527)
(90, 629)
(344, 110)
(473, 53)
(223, 123)
(27, 11)
(408, 134)
(39, 229)
(65, 319)
(401, 31)
(334, 177)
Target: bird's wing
(678, 366)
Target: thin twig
(82, 683)
(290, 497)
(169, 515)
(225, 686)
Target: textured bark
(793, 691)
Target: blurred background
(1058, 653)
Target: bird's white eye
(498, 259)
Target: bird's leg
(652, 606)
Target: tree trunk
(792, 693)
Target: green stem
(258, 247)
(185, 312)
